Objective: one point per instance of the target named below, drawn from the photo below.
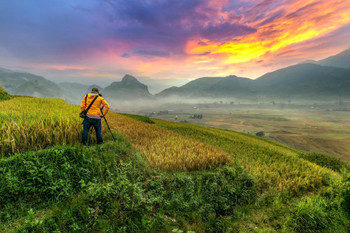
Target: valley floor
(311, 129)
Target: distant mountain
(73, 92)
(325, 79)
(127, 89)
(305, 81)
(215, 87)
(308, 61)
(20, 83)
(341, 60)
(158, 85)
(302, 81)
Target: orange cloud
(301, 21)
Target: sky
(72, 40)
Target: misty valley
(323, 128)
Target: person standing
(93, 115)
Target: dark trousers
(87, 124)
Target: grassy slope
(276, 166)
(112, 188)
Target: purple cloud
(150, 52)
(125, 55)
(226, 31)
(62, 31)
(272, 18)
(302, 10)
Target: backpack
(83, 113)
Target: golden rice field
(29, 123)
(32, 123)
(275, 166)
(166, 150)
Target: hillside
(328, 79)
(341, 60)
(213, 87)
(305, 81)
(20, 83)
(159, 176)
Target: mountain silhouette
(305, 81)
(128, 88)
(302, 81)
(215, 87)
(20, 83)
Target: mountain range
(311, 80)
(326, 79)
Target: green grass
(111, 188)
(4, 95)
(139, 118)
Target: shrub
(315, 214)
(129, 200)
(346, 195)
(4, 95)
(210, 193)
(36, 179)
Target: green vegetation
(139, 118)
(276, 167)
(118, 187)
(111, 188)
(326, 161)
(4, 95)
(316, 214)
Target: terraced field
(159, 176)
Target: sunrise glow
(169, 39)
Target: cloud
(149, 52)
(170, 35)
(125, 55)
(303, 10)
(225, 31)
(272, 18)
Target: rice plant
(166, 150)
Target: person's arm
(106, 106)
(83, 104)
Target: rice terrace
(233, 181)
(199, 116)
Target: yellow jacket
(95, 107)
